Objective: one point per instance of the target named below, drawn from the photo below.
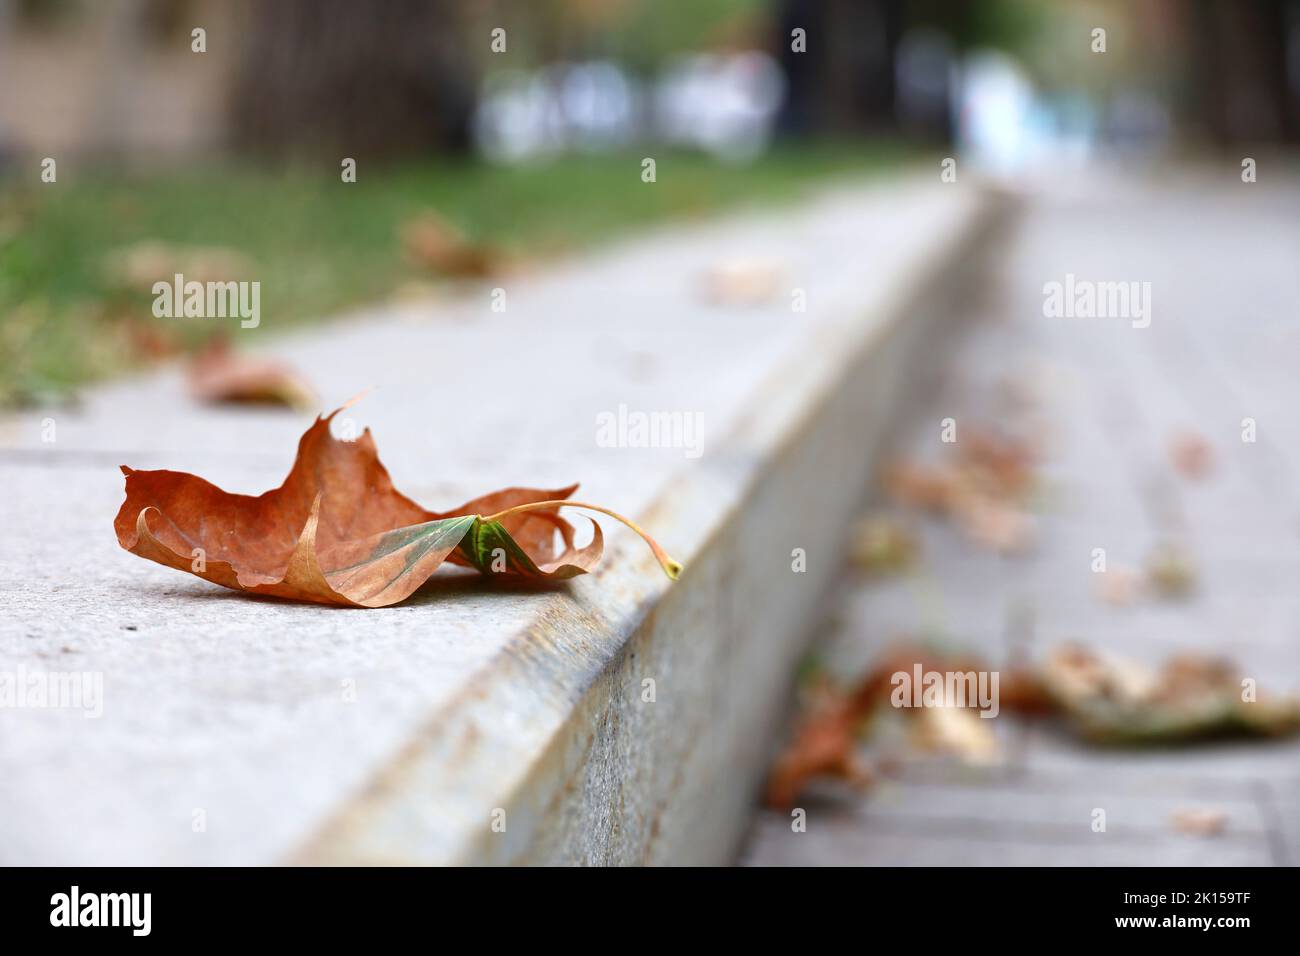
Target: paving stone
(1221, 346)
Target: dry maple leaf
(218, 374)
(1199, 821)
(986, 465)
(993, 524)
(929, 487)
(880, 544)
(1119, 586)
(743, 281)
(433, 242)
(1171, 571)
(1112, 700)
(825, 745)
(1191, 454)
(958, 732)
(1000, 465)
(338, 532)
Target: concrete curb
(552, 754)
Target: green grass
(319, 246)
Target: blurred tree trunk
(845, 82)
(1243, 89)
(354, 78)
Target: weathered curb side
(631, 723)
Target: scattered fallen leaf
(1109, 699)
(1171, 571)
(338, 532)
(1076, 675)
(1119, 586)
(1191, 674)
(994, 525)
(1022, 691)
(920, 486)
(826, 739)
(1199, 822)
(958, 732)
(825, 745)
(1104, 699)
(883, 545)
(985, 489)
(998, 465)
(218, 375)
(434, 243)
(742, 281)
(1192, 455)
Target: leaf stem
(671, 567)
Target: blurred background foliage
(230, 157)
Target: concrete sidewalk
(299, 732)
(1223, 345)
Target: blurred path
(1223, 345)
